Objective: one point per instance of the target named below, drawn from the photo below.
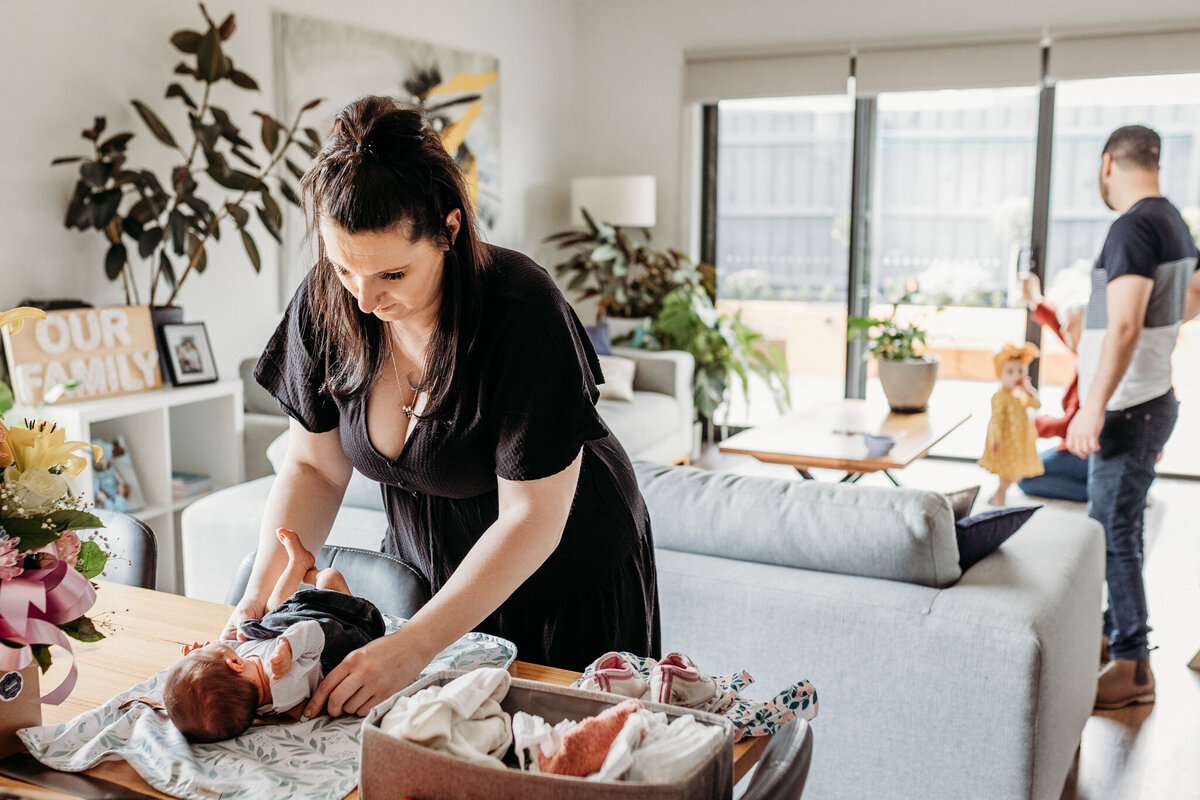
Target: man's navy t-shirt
(1152, 240)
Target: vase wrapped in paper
(45, 569)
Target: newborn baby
(215, 691)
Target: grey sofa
(655, 426)
(933, 683)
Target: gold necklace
(407, 408)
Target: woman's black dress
(524, 407)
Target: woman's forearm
(303, 500)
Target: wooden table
(831, 437)
(146, 630)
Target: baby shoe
(676, 681)
(613, 673)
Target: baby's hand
(281, 659)
(1027, 385)
(187, 648)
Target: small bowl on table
(879, 444)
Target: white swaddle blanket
(316, 760)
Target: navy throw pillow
(980, 535)
(601, 341)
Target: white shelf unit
(186, 428)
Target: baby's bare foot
(297, 553)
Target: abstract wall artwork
(459, 91)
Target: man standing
(1144, 286)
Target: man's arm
(1127, 297)
(1193, 297)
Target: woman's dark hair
(383, 166)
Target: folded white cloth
(462, 718)
(532, 734)
(650, 750)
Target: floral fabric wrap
(676, 680)
(317, 760)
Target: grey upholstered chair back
(783, 769)
(393, 586)
(132, 549)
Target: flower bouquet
(45, 569)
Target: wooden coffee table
(831, 437)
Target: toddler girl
(1011, 449)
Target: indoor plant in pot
(629, 279)
(218, 177)
(907, 376)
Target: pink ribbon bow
(32, 606)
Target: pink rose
(10, 559)
(67, 547)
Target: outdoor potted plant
(629, 278)
(168, 221)
(907, 376)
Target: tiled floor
(1140, 753)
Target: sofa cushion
(256, 399)
(893, 533)
(600, 338)
(641, 424)
(618, 378)
(980, 535)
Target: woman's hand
(247, 609)
(367, 677)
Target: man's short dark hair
(1134, 146)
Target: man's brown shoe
(1125, 682)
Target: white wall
(64, 61)
(631, 119)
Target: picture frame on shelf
(189, 353)
(114, 480)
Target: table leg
(851, 477)
(805, 474)
(891, 478)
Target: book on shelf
(189, 484)
(114, 481)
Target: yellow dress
(1017, 456)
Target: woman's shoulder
(520, 287)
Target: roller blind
(1075, 57)
(967, 66)
(711, 79)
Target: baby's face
(1012, 374)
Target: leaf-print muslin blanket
(316, 759)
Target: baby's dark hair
(204, 703)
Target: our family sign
(109, 350)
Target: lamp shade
(625, 200)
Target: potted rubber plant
(219, 178)
(906, 374)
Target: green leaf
(154, 124)
(66, 160)
(117, 142)
(266, 221)
(240, 215)
(92, 560)
(186, 41)
(289, 193)
(195, 244)
(210, 61)
(176, 90)
(114, 261)
(228, 26)
(149, 240)
(70, 519)
(41, 655)
(55, 392)
(29, 533)
(274, 215)
(271, 129)
(234, 179)
(297, 173)
(251, 251)
(309, 106)
(177, 226)
(243, 80)
(183, 69)
(82, 629)
(167, 269)
(104, 207)
(96, 173)
(6, 398)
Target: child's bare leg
(998, 499)
(300, 563)
(329, 578)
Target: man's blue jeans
(1119, 477)
(1065, 478)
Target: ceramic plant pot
(908, 384)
